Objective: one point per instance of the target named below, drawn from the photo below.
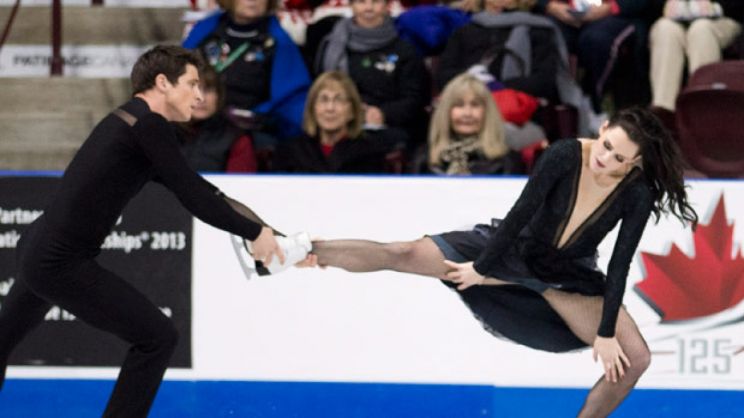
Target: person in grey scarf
(519, 50)
(390, 76)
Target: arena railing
(9, 23)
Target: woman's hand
(612, 356)
(562, 12)
(463, 274)
(595, 13)
(310, 261)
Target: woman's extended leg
(582, 314)
(418, 257)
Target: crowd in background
(467, 87)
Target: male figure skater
(57, 254)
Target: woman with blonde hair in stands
(467, 134)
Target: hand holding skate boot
(295, 249)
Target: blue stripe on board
(214, 399)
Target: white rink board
(336, 326)
(329, 325)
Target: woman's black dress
(523, 248)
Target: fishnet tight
(581, 313)
(421, 257)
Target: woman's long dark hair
(661, 160)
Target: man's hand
(265, 247)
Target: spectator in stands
(507, 47)
(492, 46)
(334, 141)
(265, 77)
(210, 141)
(594, 30)
(467, 132)
(698, 38)
(390, 76)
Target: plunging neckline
(595, 213)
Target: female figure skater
(532, 277)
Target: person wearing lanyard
(265, 77)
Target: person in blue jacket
(264, 74)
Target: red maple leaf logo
(679, 287)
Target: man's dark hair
(169, 60)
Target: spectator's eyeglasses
(334, 100)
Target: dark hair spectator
(210, 141)
(391, 77)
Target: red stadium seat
(728, 74)
(710, 122)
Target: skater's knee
(163, 338)
(3, 368)
(400, 249)
(641, 361)
(401, 253)
(170, 336)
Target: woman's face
(332, 108)
(613, 153)
(208, 106)
(467, 114)
(369, 13)
(246, 11)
